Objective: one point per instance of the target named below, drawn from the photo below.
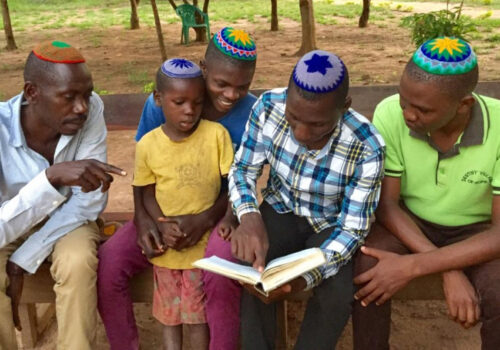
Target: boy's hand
(227, 226)
(391, 273)
(192, 226)
(171, 232)
(148, 236)
(15, 290)
(461, 298)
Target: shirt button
(38, 262)
(55, 203)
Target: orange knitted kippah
(58, 52)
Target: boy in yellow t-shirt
(182, 166)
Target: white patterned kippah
(319, 71)
(180, 68)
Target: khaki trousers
(74, 265)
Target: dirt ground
(123, 61)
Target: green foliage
(426, 26)
(149, 87)
(100, 91)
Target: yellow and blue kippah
(180, 68)
(58, 52)
(235, 43)
(445, 56)
(319, 71)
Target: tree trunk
(308, 29)
(134, 17)
(9, 35)
(274, 15)
(172, 3)
(365, 14)
(159, 33)
(201, 33)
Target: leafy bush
(426, 26)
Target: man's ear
(466, 104)
(157, 97)
(203, 67)
(347, 103)
(31, 92)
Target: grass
(85, 14)
(135, 75)
(495, 38)
(495, 4)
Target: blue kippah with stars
(319, 71)
(180, 68)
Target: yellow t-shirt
(187, 175)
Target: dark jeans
(371, 324)
(328, 309)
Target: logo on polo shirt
(477, 177)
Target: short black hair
(36, 69)
(338, 95)
(456, 86)
(213, 54)
(163, 82)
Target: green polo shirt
(453, 188)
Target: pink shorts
(178, 296)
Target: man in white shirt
(53, 183)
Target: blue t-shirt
(234, 121)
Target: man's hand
(148, 236)
(280, 293)
(89, 174)
(461, 298)
(193, 227)
(15, 290)
(381, 282)
(249, 241)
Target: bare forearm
(151, 206)
(401, 225)
(480, 248)
(218, 210)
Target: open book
(277, 272)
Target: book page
(292, 257)
(296, 264)
(229, 269)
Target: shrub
(426, 26)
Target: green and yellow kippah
(235, 43)
(445, 56)
(58, 52)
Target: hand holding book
(277, 272)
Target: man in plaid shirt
(326, 167)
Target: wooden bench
(122, 112)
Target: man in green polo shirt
(439, 209)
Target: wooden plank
(45, 314)
(282, 325)
(27, 316)
(38, 288)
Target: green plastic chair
(187, 13)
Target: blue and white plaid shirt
(337, 186)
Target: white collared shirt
(27, 197)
